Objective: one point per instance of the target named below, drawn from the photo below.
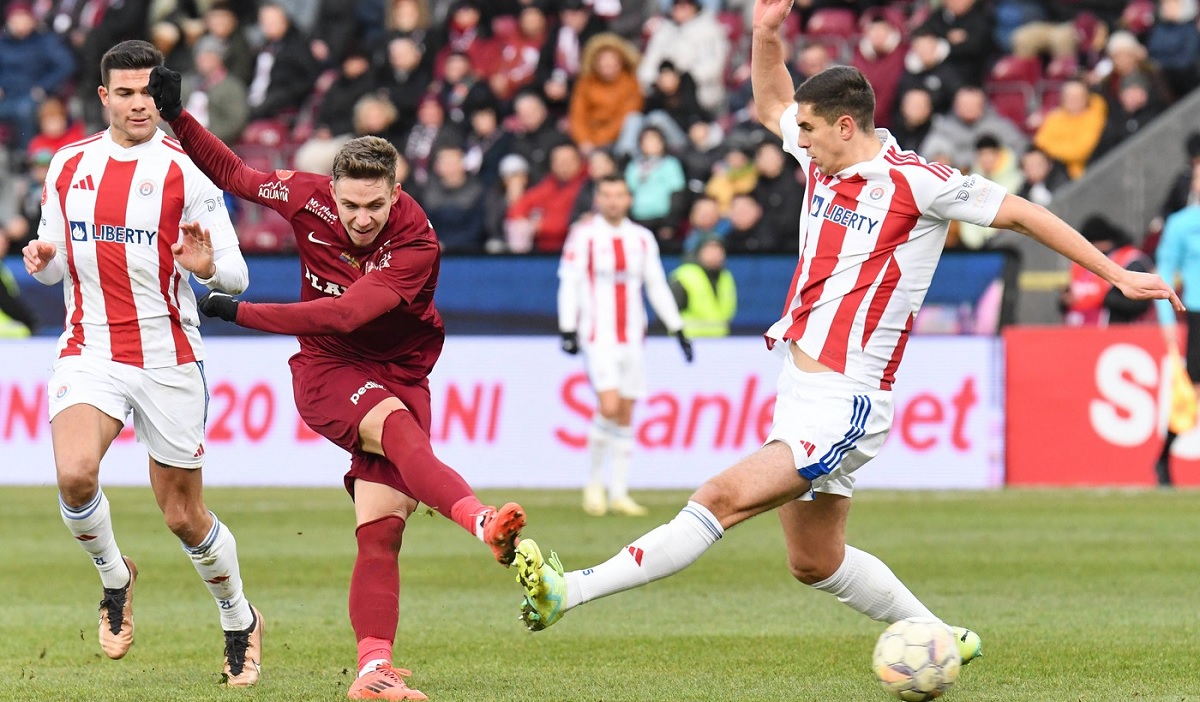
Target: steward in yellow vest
(705, 291)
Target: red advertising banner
(1086, 407)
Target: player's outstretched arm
(368, 298)
(1021, 215)
(769, 77)
(209, 153)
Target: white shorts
(617, 367)
(832, 423)
(169, 405)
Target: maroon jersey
(373, 303)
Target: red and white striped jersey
(601, 276)
(115, 212)
(870, 239)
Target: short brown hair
(366, 158)
(129, 55)
(837, 91)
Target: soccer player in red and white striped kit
(607, 261)
(111, 212)
(872, 229)
(369, 336)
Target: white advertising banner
(514, 412)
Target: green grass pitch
(1079, 596)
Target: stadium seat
(504, 27)
(264, 132)
(262, 231)
(1015, 69)
(1014, 101)
(1062, 68)
(833, 22)
(920, 13)
(895, 15)
(1087, 29)
(306, 119)
(734, 27)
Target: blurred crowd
(506, 111)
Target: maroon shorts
(333, 396)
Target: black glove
(685, 344)
(219, 304)
(570, 342)
(164, 88)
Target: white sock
(91, 525)
(665, 551)
(865, 584)
(622, 453)
(371, 664)
(599, 436)
(216, 561)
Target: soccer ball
(917, 659)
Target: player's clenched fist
(164, 87)
(219, 304)
(38, 255)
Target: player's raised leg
(390, 430)
(760, 482)
(212, 548)
(381, 512)
(815, 533)
(81, 434)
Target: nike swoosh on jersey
(315, 240)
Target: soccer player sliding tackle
(369, 336)
(873, 227)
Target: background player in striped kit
(112, 207)
(606, 262)
(871, 232)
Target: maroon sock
(430, 481)
(375, 582)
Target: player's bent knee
(370, 429)
(78, 484)
(810, 571)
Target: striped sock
(91, 525)
(215, 559)
(664, 551)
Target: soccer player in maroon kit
(369, 336)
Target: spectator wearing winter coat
(966, 26)
(670, 106)
(1131, 111)
(925, 67)
(285, 70)
(880, 56)
(697, 44)
(1174, 44)
(453, 199)
(33, 64)
(539, 220)
(914, 119)
(955, 134)
(606, 92)
(1072, 130)
(654, 177)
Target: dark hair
(987, 141)
(129, 55)
(1193, 145)
(651, 129)
(366, 158)
(837, 91)
(611, 178)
